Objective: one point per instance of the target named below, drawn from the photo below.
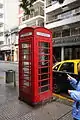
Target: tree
(27, 4)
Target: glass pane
(25, 51)
(26, 83)
(67, 67)
(25, 57)
(44, 82)
(44, 88)
(44, 76)
(43, 51)
(26, 77)
(45, 70)
(44, 44)
(24, 45)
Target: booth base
(36, 104)
(31, 103)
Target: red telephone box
(35, 64)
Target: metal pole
(11, 43)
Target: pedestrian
(75, 94)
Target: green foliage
(26, 6)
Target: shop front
(67, 48)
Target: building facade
(9, 38)
(1, 26)
(36, 18)
(64, 22)
(10, 49)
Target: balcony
(69, 40)
(38, 12)
(51, 6)
(53, 23)
(35, 22)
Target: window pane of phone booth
(26, 63)
(43, 76)
(43, 51)
(26, 51)
(44, 66)
(26, 83)
(45, 82)
(44, 44)
(43, 89)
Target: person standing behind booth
(75, 94)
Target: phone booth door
(25, 69)
(44, 69)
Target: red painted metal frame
(31, 94)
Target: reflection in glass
(26, 83)
(25, 57)
(24, 45)
(26, 51)
(44, 44)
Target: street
(13, 109)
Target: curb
(62, 99)
(8, 62)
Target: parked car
(60, 71)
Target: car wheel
(57, 88)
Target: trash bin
(10, 76)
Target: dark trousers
(75, 119)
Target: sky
(10, 13)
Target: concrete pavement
(13, 109)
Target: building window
(67, 53)
(1, 15)
(66, 32)
(74, 31)
(1, 42)
(1, 5)
(79, 30)
(77, 10)
(8, 41)
(1, 33)
(1, 25)
(56, 34)
(57, 53)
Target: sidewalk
(13, 109)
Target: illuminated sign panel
(26, 34)
(43, 34)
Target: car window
(56, 67)
(67, 67)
